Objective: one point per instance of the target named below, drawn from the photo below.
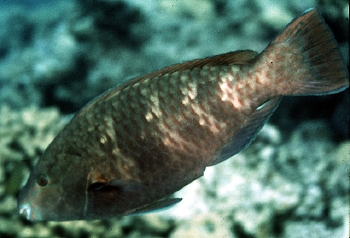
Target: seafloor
(293, 181)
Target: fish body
(129, 149)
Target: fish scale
(129, 149)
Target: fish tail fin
(307, 57)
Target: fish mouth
(25, 211)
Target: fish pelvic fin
(159, 205)
(306, 58)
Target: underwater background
(55, 56)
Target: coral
(274, 185)
(267, 190)
(204, 226)
(291, 182)
(24, 136)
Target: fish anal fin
(248, 131)
(156, 206)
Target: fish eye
(42, 180)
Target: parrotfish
(127, 151)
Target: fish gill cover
(270, 189)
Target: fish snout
(25, 210)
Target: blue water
(28, 3)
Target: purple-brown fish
(129, 149)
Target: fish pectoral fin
(159, 205)
(124, 185)
(248, 131)
(99, 181)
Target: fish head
(55, 190)
(63, 187)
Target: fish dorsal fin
(156, 206)
(248, 131)
(230, 58)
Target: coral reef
(293, 181)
